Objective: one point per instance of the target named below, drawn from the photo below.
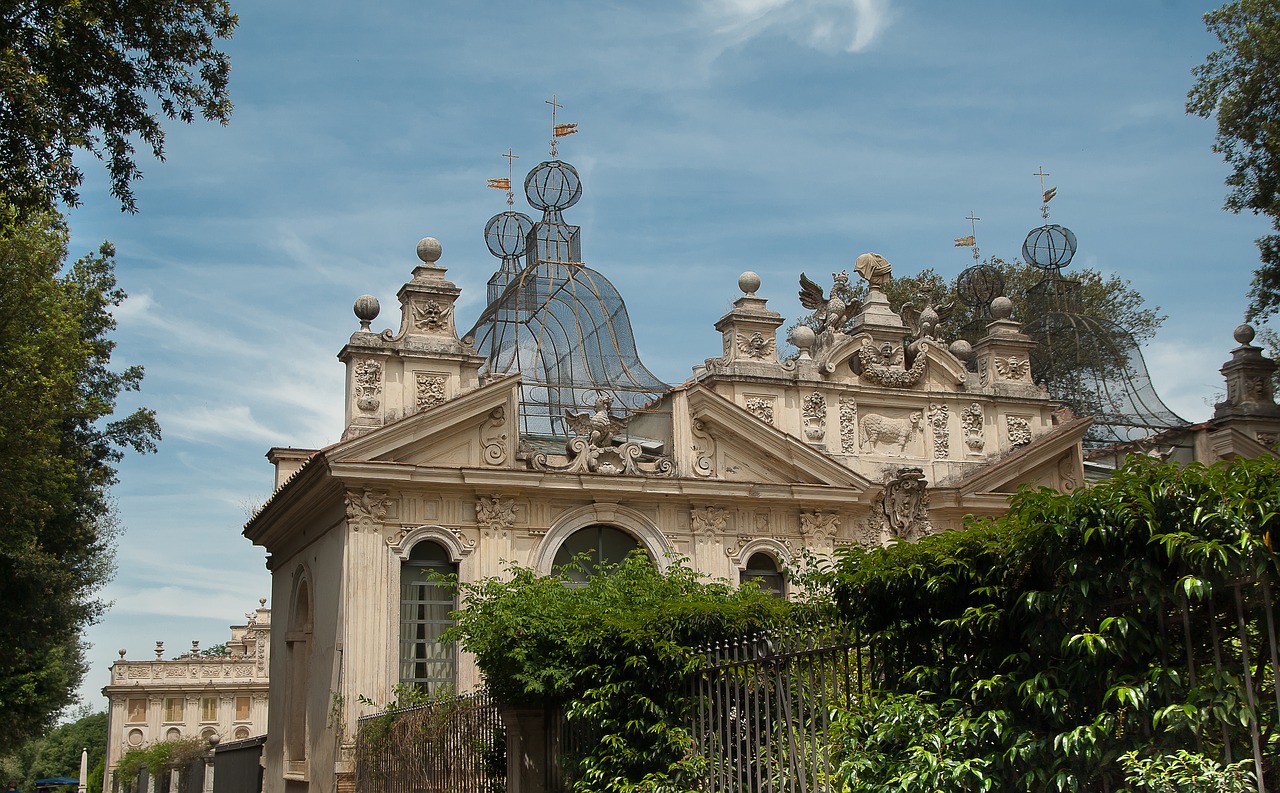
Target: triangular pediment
(738, 446)
(1052, 459)
(471, 430)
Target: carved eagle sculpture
(925, 322)
(832, 311)
(599, 426)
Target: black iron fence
(765, 703)
(455, 745)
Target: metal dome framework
(558, 323)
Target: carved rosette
(495, 515)
(367, 379)
(757, 345)
(971, 420)
(819, 527)
(495, 437)
(848, 425)
(814, 413)
(905, 504)
(431, 316)
(366, 509)
(761, 408)
(938, 420)
(1019, 430)
(709, 522)
(430, 389)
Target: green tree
(1033, 651)
(97, 76)
(1237, 85)
(615, 652)
(57, 754)
(58, 448)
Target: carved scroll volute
(704, 449)
(495, 437)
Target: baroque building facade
(462, 452)
(211, 697)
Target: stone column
(526, 749)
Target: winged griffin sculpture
(832, 312)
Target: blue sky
(716, 136)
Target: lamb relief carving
(878, 429)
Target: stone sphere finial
(429, 250)
(803, 338)
(1244, 333)
(122, 651)
(749, 282)
(262, 603)
(366, 309)
(1001, 308)
(961, 349)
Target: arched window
(298, 661)
(601, 544)
(425, 602)
(763, 569)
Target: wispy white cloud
(203, 423)
(824, 25)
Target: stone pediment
(731, 443)
(1051, 460)
(860, 360)
(473, 430)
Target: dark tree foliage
(1237, 85)
(1033, 651)
(58, 450)
(616, 653)
(57, 754)
(96, 76)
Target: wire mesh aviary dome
(561, 325)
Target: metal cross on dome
(558, 130)
(505, 184)
(1045, 195)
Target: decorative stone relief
(1019, 430)
(430, 389)
(757, 345)
(368, 384)
(1067, 474)
(709, 521)
(971, 420)
(592, 449)
(814, 412)
(984, 370)
(938, 419)
(763, 523)
(495, 514)
(819, 527)
(878, 429)
(1268, 439)
(905, 503)
(1255, 389)
(366, 509)
(1013, 367)
(704, 449)
(848, 425)
(468, 544)
(884, 365)
(761, 408)
(495, 437)
(431, 316)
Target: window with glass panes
(208, 709)
(763, 569)
(425, 603)
(173, 709)
(597, 544)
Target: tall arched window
(425, 602)
(763, 569)
(600, 543)
(298, 661)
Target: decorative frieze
(431, 316)
(1019, 430)
(430, 389)
(878, 429)
(814, 413)
(848, 425)
(819, 527)
(367, 382)
(366, 509)
(709, 521)
(757, 345)
(971, 420)
(761, 408)
(939, 416)
(495, 514)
